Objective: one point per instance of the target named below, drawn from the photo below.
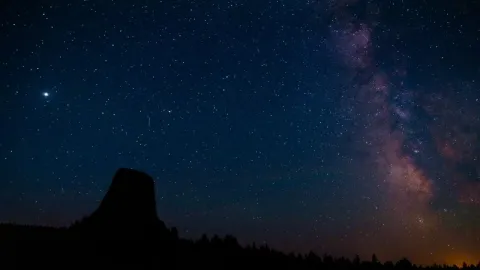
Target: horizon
(457, 260)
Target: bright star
(46, 94)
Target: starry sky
(339, 126)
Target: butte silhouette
(125, 226)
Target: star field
(338, 126)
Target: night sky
(338, 126)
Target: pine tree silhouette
(125, 233)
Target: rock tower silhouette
(125, 226)
(128, 209)
(130, 200)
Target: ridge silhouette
(124, 232)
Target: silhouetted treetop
(125, 233)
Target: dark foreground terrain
(125, 233)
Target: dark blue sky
(338, 126)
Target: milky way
(401, 151)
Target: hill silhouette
(125, 233)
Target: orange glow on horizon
(459, 259)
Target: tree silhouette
(356, 261)
(404, 264)
(108, 239)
